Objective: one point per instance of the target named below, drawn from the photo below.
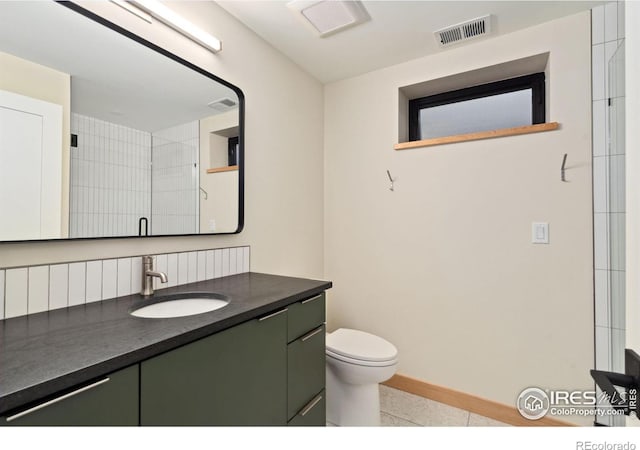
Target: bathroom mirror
(103, 134)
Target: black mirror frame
(241, 103)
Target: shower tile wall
(607, 34)
(175, 186)
(110, 178)
(29, 290)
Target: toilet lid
(359, 345)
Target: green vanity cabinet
(266, 371)
(235, 377)
(109, 400)
(306, 362)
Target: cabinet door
(110, 400)
(235, 377)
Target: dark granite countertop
(45, 353)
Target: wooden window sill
(479, 135)
(222, 169)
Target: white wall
(284, 138)
(444, 267)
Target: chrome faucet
(148, 274)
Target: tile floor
(401, 409)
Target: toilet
(356, 362)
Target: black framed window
(502, 104)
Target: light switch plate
(540, 233)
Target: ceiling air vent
(464, 31)
(223, 104)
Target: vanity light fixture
(178, 23)
(127, 6)
(327, 17)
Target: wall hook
(562, 169)
(391, 180)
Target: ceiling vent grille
(464, 31)
(223, 104)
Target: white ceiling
(398, 31)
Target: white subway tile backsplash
(183, 268)
(172, 271)
(77, 283)
(239, 259)
(246, 259)
(38, 289)
(233, 261)
(209, 265)
(41, 288)
(217, 256)
(192, 267)
(58, 286)
(16, 292)
(1, 294)
(94, 281)
(109, 278)
(124, 276)
(136, 274)
(202, 266)
(225, 262)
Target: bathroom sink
(179, 305)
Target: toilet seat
(360, 348)
(360, 362)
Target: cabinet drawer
(305, 369)
(313, 414)
(305, 316)
(110, 400)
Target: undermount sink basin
(180, 305)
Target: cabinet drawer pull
(56, 400)
(272, 315)
(311, 299)
(310, 405)
(312, 333)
